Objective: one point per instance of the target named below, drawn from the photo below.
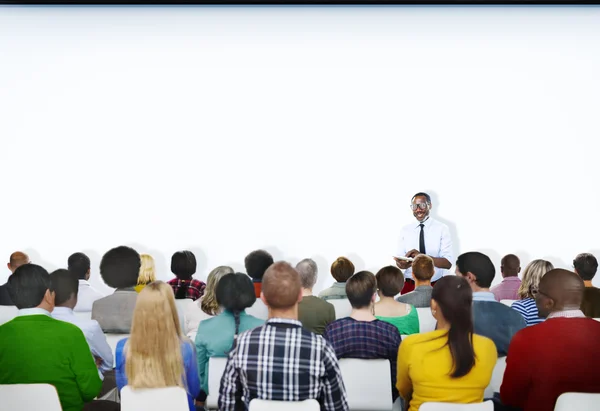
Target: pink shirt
(507, 289)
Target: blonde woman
(532, 275)
(147, 272)
(156, 355)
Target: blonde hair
(153, 356)
(147, 271)
(209, 302)
(532, 275)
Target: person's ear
(471, 278)
(49, 297)
(8, 266)
(374, 297)
(263, 299)
(87, 275)
(300, 295)
(434, 308)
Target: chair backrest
(446, 406)
(154, 399)
(29, 397)
(508, 302)
(426, 320)
(577, 401)
(497, 376)
(216, 367)
(342, 307)
(259, 310)
(113, 340)
(84, 315)
(264, 405)
(7, 313)
(182, 306)
(368, 384)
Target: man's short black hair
(257, 263)
(235, 292)
(120, 267)
(479, 265)
(586, 266)
(79, 264)
(183, 264)
(28, 285)
(64, 284)
(421, 194)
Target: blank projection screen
(302, 130)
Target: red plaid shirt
(195, 288)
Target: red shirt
(549, 359)
(194, 288)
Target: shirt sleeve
(84, 367)
(403, 381)
(191, 369)
(229, 384)
(120, 375)
(446, 245)
(519, 307)
(516, 382)
(202, 360)
(100, 348)
(334, 392)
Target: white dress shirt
(32, 311)
(93, 335)
(438, 243)
(86, 297)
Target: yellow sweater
(424, 369)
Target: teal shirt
(37, 349)
(215, 338)
(407, 324)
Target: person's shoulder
(197, 283)
(437, 223)
(254, 321)
(173, 281)
(485, 348)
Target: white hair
(308, 271)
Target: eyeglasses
(422, 206)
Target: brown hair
(423, 268)
(360, 289)
(281, 286)
(390, 281)
(342, 269)
(18, 259)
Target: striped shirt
(528, 310)
(282, 361)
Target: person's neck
(588, 283)
(386, 300)
(477, 289)
(287, 313)
(442, 324)
(419, 283)
(504, 277)
(363, 314)
(307, 292)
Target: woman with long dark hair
(450, 364)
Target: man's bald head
(281, 286)
(559, 290)
(510, 266)
(17, 259)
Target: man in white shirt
(79, 264)
(425, 236)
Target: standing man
(425, 236)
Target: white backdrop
(302, 130)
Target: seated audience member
(265, 354)
(341, 270)
(450, 364)
(65, 286)
(422, 272)
(491, 318)
(532, 275)
(402, 316)
(207, 305)
(17, 259)
(147, 272)
(510, 267)
(79, 264)
(586, 266)
(156, 354)
(217, 336)
(313, 312)
(256, 264)
(119, 268)
(183, 265)
(556, 356)
(362, 335)
(37, 349)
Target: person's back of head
(477, 268)
(342, 269)
(120, 267)
(153, 351)
(235, 293)
(308, 271)
(423, 268)
(389, 281)
(452, 298)
(65, 285)
(147, 272)
(559, 290)
(510, 266)
(30, 287)
(17, 259)
(361, 289)
(209, 303)
(532, 275)
(256, 264)
(183, 264)
(586, 265)
(281, 287)
(79, 264)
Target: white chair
(84, 315)
(259, 310)
(7, 313)
(597, 319)
(154, 399)
(264, 405)
(342, 307)
(426, 320)
(368, 384)
(182, 306)
(113, 340)
(23, 397)
(578, 401)
(216, 367)
(508, 302)
(497, 376)
(446, 406)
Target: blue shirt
(189, 362)
(528, 310)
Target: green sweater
(40, 349)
